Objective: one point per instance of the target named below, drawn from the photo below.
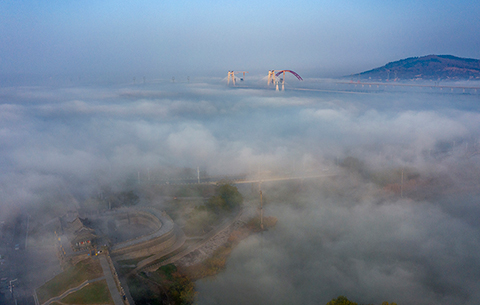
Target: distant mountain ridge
(430, 67)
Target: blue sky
(160, 39)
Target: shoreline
(216, 261)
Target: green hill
(431, 67)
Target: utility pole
(26, 234)
(261, 210)
(401, 186)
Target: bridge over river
(239, 179)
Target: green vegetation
(144, 292)
(181, 290)
(167, 283)
(168, 270)
(93, 293)
(88, 269)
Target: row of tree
(341, 300)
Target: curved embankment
(180, 240)
(150, 265)
(150, 244)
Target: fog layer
(353, 234)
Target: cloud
(325, 246)
(346, 235)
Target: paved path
(117, 298)
(71, 290)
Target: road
(16, 267)
(117, 298)
(369, 87)
(242, 180)
(286, 178)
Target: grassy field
(93, 293)
(88, 269)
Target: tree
(230, 195)
(182, 289)
(226, 198)
(341, 300)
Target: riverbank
(216, 262)
(175, 283)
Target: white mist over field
(354, 234)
